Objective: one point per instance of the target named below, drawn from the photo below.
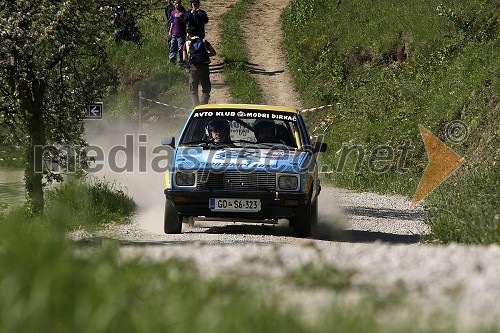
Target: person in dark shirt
(125, 27)
(197, 18)
(168, 10)
(177, 33)
(199, 72)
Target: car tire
(301, 223)
(172, 219)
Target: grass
(321, 276)
(48, 286)
(145, 69)
(390, 68)
(75, 202)
(242, 86)
(471, 214)
(49, 283)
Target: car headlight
(288, 183)
(185, 178)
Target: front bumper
(274, 205)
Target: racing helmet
(219, 125)
(261, 125)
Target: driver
(218, 130)
(265, 131)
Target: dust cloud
(127, 162)
(331, 219)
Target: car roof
(261, 107)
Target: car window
(244, 127)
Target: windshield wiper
(208, 144)
(277, 145)
(266, 144)
(246, 141)
(195, 142)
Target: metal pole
(140, 110)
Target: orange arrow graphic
(442, 162)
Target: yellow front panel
(167, 179)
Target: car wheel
(301, 223)
(172, 219)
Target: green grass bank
(390, 67)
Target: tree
(52, 60)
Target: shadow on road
(325, 232)
(320, 232)
(252, 68)
(386, 213)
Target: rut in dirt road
(264, 39)
(220, 89)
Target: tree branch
(5, 91)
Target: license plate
(234, 205)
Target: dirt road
(220, 90)
(263, 40)
(377, 236)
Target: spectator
(197, 52)
(177, 33)
(125, 27)
(197, 17)
(168, 11)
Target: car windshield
(243, 128)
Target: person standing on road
(197, 17)
(197, 52)
(177, 33)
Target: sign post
(140, 110)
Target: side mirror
(319, 147)
(168, 141)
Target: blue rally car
(238, 161)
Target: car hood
(242, 159)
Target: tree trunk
(31, 98)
